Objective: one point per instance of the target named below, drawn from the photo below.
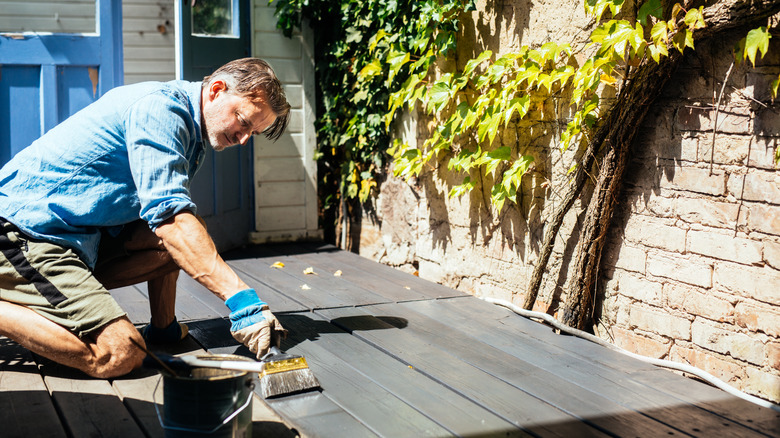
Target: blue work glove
(252, 324)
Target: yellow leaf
(607, 79)
(337, 273)
(309, 271)
(305, 287)
(278, 265)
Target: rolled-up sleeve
(158, 131)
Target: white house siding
(285, 171)
(149, 40)
(76, 16)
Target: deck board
(25, 405)
(396, 356)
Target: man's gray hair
(254, 78)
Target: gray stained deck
(397, 356)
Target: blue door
(47, 76)
(213, 32)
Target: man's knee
(114, 353)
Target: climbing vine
(489, 94)
(365, 51)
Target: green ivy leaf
(757, 40)
(461, 189)
(370, 70)
(472, 64)
(649, 8)
(439, 96)
(775, 84)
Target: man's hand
(253, 324)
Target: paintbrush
(285, 374)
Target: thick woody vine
(371, 67)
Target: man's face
(230, 119)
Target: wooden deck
(397, 356)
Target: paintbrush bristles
(287, 382)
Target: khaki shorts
(54, 282)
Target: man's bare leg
(162, 299)
(108, 352)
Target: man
(103, 201)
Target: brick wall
(692, 258)
(691, 268)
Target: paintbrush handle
(233, 365)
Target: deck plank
(315, 291)
(26, 409)
(534, 415)
(356, 374)
(578, 374)
(373, 269)
(313, 413)
(461, 341)
(89, 407)
(655, 399)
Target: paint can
(210, 402)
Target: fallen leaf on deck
(309, 271)
(279, 265)
(305, 287)
(407, 288)
(416, 273)
(337, 273)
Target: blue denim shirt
(129, 155)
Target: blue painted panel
(75, 90)
(20, 103)
(50, 49)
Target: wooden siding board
(534, 415)
(574, 372)
(26, 409)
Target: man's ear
(217, 87)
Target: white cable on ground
(657, 362)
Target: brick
(694, 179)
(631, 259)
(659, 322)
(727, 371)
(680, 268)
(772, 253)
(773, 355)
(758, 318)
(640, 344)
(728, 149)
(690, 300)
(731, 120)
(717, 339)
(763, 218)
(706, 212)
(724, 247)
(763, 384)
(639, 288)
(767, 122)
(659, 205)
(654, 233)
(762, 153)
(762, 284)
(756, 186)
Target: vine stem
(717, 110)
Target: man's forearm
(188, 242)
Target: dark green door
(213, 32)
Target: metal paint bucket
(209, 403)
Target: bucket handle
(184, 429)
